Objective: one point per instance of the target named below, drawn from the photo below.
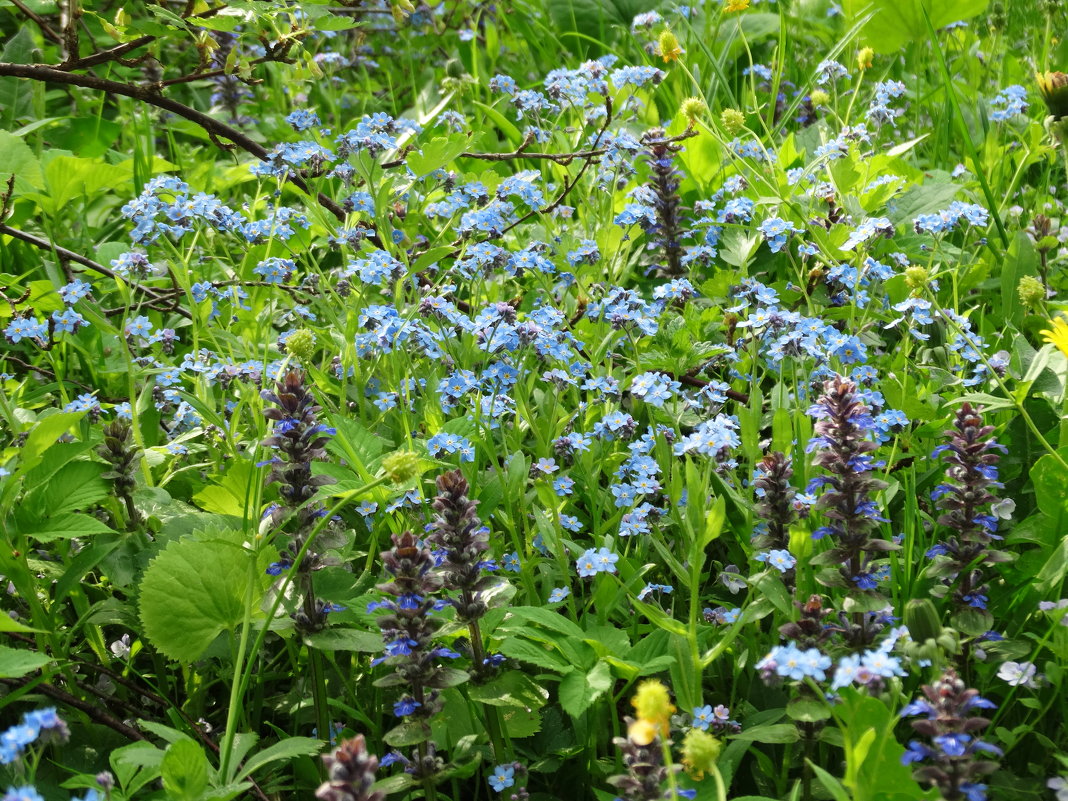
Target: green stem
(318, 682)
(237, 692)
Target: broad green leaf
(355, 444)
(579, 689)
(898, 22)
(346, 640)
(533, 653)
(513, 688)
(229, 494)
(17, 662)
(75, 486)
(1050, 480)
(1053, 571)
(773, 733)
(184, 771)
(7, 624)
(436, 154)
(43, 436)
(17, 159)
(136, 764)
(16, 94)
(289, 748)
(194, 590)
(65, 526)
(330, 23)
(69, 178)
(410, 732)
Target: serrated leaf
(184, 771)
(335, 23)
(511, 689)
(194, 590)
(17, 662)
(579, 689)
(533, 653)
(66, 526)
(75, 486)
(435, 154)
(43, 436)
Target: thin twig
(69, 255)
(42, 23)
(212, 126)
(92, 710)
(117, 52)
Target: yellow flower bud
(700, 751)
(819, 98)
(864, 58)
(668, 46)
(652, 702)
(733, 121)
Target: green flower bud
(922, 620)
(693, 108)
(402, 466)
(700, 751)
(916, 277)
(733, 121)
(301, 344)
(1031, 291)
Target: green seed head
(1031, 291)
(301, 344)
(916, 277)
(733, 120)
(700, 751)
(693, 108)
(402, 466)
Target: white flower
(121, 648)
(1018, 674)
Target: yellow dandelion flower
(642, 732)
(1053, 86)
(1057, 334)
(736, 5)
